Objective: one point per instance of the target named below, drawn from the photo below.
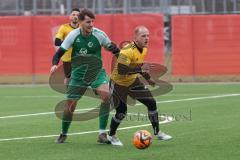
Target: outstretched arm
(66, 44)
(126, 70)
(112, 47)
(56, 58)
(58, 42)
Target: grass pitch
(206, 126)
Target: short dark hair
(75, 9)
(86, 12)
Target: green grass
(211, 132)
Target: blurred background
(53, 7)
(198, 40)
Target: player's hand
(53, 68)
(147, 67)
(151, 82)
(113, 48)
(146, 75)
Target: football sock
(66, 121)
(113, 126)
(153, 117)
(103, 115)
(101, 131)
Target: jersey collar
(139, 49)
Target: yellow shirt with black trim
(131, 57)
(62, 33)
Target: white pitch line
(37, 114)
(174, 83)
(200, 98)
(138, 104)
(168, 119)
(204, 83)
(37, 96)
(23, 85)
(61, 96)
(26, 115)
(56, 96)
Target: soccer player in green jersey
(87, 70)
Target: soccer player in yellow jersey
(62, 33)
(125, 81)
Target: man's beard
(74, 22)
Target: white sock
(102, 131)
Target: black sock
(153, 117)
(114, 125)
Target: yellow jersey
(131, 57)
(62, 33)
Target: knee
(152, 105)
(66, 81)
(120, 116)
(105, 98)
(71, 106)
(121, 113)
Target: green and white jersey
(86, 53)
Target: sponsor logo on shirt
(83, 51)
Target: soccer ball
(142, 139)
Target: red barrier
(206, 44)
(26, 43)
(15, 45)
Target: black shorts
(136, 91)
(67, 69)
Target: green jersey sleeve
(102, 37)
(68, 41)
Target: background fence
(53, 7)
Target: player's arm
(58, 42)
(59, 36)
(57, 56)
(124, 60)
(108, 44)
(145, 73)
(112, 47)
(124, 69)
(115, 51)
(67, 43)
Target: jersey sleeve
(102, 37)
(68, 41)
(60, 33)
(125, 57)
(105, 40)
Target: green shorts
(76, 88)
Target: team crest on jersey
(78, 40)
(90, 44)
(83, 51)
